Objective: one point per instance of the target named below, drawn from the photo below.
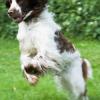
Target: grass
(14, 87)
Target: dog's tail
(87, 69)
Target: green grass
(14, 87)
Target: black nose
(11, 12)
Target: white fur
(37, 37)
(15, 6)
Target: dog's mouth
(20, 17)
(16, 17)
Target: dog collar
(27, 15)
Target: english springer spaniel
(43, 47)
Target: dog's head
(23, 10)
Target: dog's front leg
(27, 67)
(33, 67)
(38, 61)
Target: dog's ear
(7, 3)
(35, 3)
(43, 1)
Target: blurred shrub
(8, 28)
(77, 17)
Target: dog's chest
(36, 38)
(24, 38)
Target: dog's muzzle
(18, 17)
(15, 15)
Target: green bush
(77, 17)
(8, 28)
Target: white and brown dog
(43, 47)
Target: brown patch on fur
(84, 69)
(33, 53)
(8, 3)
(63, 44)
(37, 9)
(31, 70)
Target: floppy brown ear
(7, 3)
(36, 9)
(36, 3)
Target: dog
(43, 47)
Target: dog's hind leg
(80, 95)
(73, 79)
(78, 90)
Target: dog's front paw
(32, 79)
(32, 73)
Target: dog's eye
(8, 3)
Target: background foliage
(8, 28)
(77, 17)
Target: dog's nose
(11, 12)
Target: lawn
(13, 86)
